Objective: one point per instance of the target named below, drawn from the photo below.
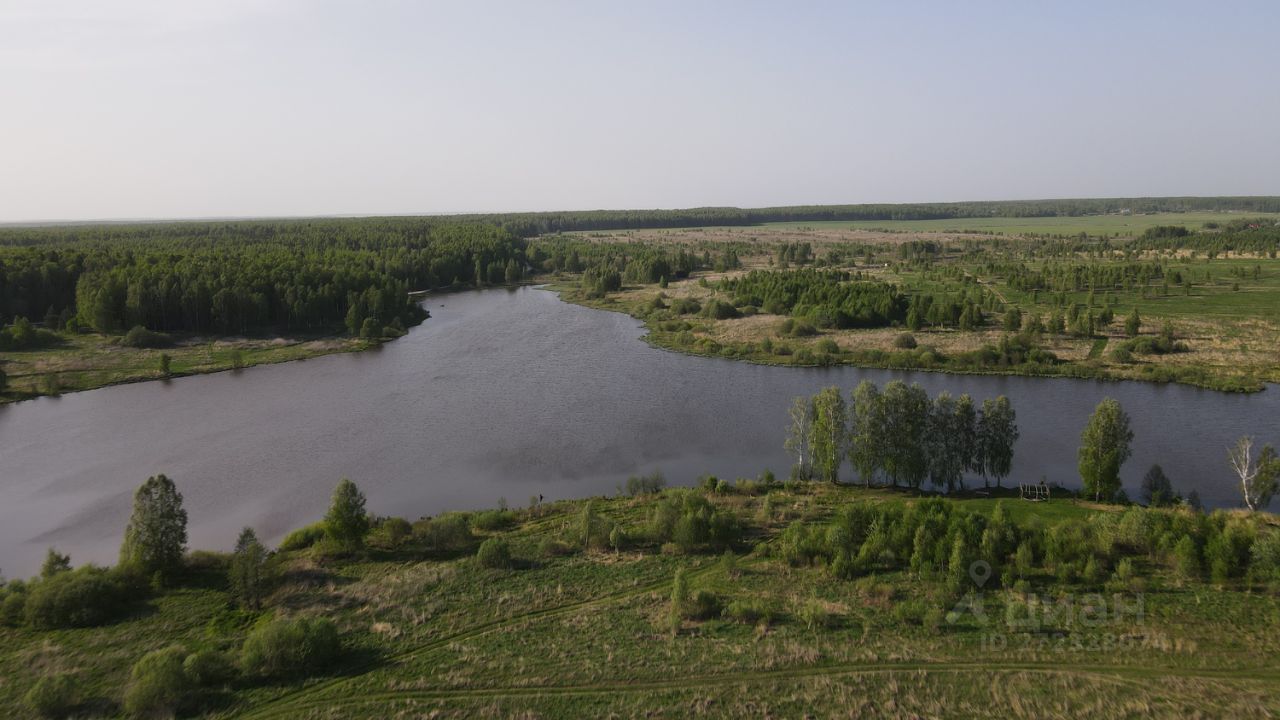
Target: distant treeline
(530, 224)
(245, 276)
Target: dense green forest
(246, 276)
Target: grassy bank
(582, 620)
(84, 361)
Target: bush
(450, 532)
(551, 547)
(13, 609)
(208, 668)
(494, 553)
(279, 648)
(140, 337)
(158, 685)
(491, 520)
(829, 346)
(303, 537)
(749, 612)
(905, 341)
(390, 533)
(53, 696)
(645, 484)
(704, 604)
(80, 598)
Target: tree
(906, 411)
(54, 563)
(996, 435)
(829, 431)
(1104, 447)
(248, 570)
(944, 440)
(1133, 324)
(156, 537)
(866, 431)
(1157, 490)
(798, 433)
(347, 522)
(1258, 479)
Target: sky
(236, 108)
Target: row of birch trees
(900, 436)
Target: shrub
(905, 341)
(279, 648)
(13, 608)
(494, 553)
(719, 310)
(645, 484)
(207, 668)
(303, 537)
(816, 615)
(749, 612)
(551, 547)
(449, 532)
(491, 520)
(80, 598)
(829, 346)
(704, 604)
(390, 533)
(158, 685)
(140, 337)
(53, 696)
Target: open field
(574, 632)
(1222, 308)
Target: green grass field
(586, 633)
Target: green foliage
(645, 484)
(248, 574)
(208, 668)
(449, 532)
(140, 337)
(304, 537)
(158, 684)
(346, 522)
(54, 563)
(492, 520)
(1104, 447)
(1157, 490)
(156, 537)
(229, 278)
(82, 597)
(289, 647)
(494, 553)
(52, 696)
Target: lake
(502, 394)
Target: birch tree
(830, 429)
(1258, 478)
(866, 431)
(799, 433)
(1104, 447)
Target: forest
(244, 277)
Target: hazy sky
(181, 108)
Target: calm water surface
(501, 394)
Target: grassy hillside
(775, 618)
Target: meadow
(1208, 284)
(577, 623)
